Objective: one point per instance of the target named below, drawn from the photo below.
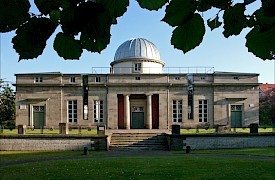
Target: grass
(235, 130)
(48, 131)
(138, 167)
(94, 131)
(143, 168)
(268, 151)
(11, 156)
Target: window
(38, 108)
(98, 111)
(22, 106)
(202, 78)
(137, 66)
(97, 79)
(72, 80)
(177, 78)
(203, 111)
(72, 111)
(236, 77)
(137, 78)
(177, 111)
(38, 79)
(236, 107)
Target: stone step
(137, 144)
(126, 148)
(135, 135)
(138, 141)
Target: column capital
(149, 94)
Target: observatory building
(137, 91)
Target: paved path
(114, 153)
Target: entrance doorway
(38, 116)
(137, 121)
(236, 116)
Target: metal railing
(154, 70)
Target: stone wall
(52, 142)
(221, 141)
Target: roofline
(234, 73)
(137, 59)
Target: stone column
(149, 111)
(127, 111)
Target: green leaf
(268, 7)
(261, 44)
(116, 7)
(46, 6)
(221, 4)
(13, 13)
(152, 4)
(70, 3)
(55, 16)
(67, 47)
(68, 21)
(251, 22)
(203, 5)
(261, 19)
(234, 20)
(30, 39)
(99, 20)
(246, 2)
(189, 35)
(94, 44)
(215, 23)
(179, 12)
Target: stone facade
(138, 93)
(48, 100)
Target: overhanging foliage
(86, 24)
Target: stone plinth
(63, 128)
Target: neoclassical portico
(137, 106)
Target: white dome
(137, 56)
(137, 48)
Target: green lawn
(143, 168)
(10, 156)
(268, 151)
(48, 131)
(233, 130)
(94, 131)
(139, 167)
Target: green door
(236, 116)
(138, 120)
(38, 116)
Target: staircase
(138, 141)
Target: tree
(7, 106)
(267, 106)
(93, 33)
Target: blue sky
(223, 54)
